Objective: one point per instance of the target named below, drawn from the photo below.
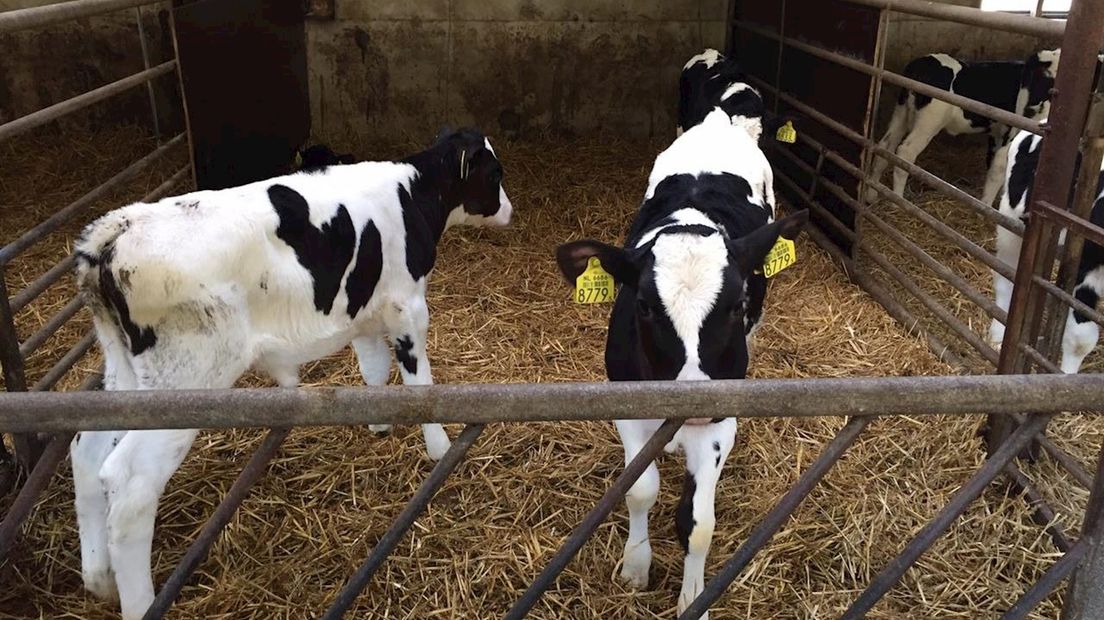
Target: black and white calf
(689, 299)
(1081, 334)
(192, 291)
(1020, 87)
(708, 81)
(319, 156)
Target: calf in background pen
(192, 291)
(1020, 87)
(708, 81)
(1081, 333)
(689, 299)
(317, 157)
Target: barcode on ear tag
(595, 285)
(786, 133)
(781, 256)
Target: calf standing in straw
(191, 292)
(691, 291)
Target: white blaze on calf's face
(689, 275)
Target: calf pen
(868, 401)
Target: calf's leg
(639, 500)
(374, 359)
(409, 327)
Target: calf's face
(482, 199)
(685, 294)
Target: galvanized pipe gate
(1019, 404)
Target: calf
(316, 158)
(1081, 334)
(690, 296)
(192, 291)
(1020, 87)
(708, 81)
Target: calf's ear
(750, 251)
(573, 259)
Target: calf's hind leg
(409, 327)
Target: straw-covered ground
(501, 313)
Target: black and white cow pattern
(1020, 87)
(1081, 334)
(710, 80)
(689, 299)
(192, 291)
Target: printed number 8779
(592, 295)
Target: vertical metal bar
(593, 519)
(36, 481)
(149, 84)
(402, 523)
(896, 568)
(1057, 157)
(27, 446)
(777, 516)
(199, 548)
(1050, 580)
(1085, 599)
(873, 104)
(781, 51)
(183, 96)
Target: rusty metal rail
(36, 17)
(540, 402)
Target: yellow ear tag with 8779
(781, 256)
(786, 133)
(595, 285)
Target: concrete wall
(43, 66)
(386, 69)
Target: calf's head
(473, 179)
(684, 294)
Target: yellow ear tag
(786, 133)
(781, 256)
(298, 159)
(595, 285)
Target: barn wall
(385, 69)
(43, 66)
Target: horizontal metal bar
(1043, 514)
(35, 17)
(55, 221)
(992, 112)
(1064, 219)
(1054, 575)
(776, 518)
(199, 548)
(28, 495)
(67, 361)
(45, 115)
(593, 519)
(394, 534)
(24, 297)
(947, 189)
(994, 20)
(895, 569)
(50, 327)
(928, 301)
(337, 406)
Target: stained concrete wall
(402, 69)
(43, 66)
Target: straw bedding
(501, 313)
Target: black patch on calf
(403, 345)
(325, 252)
(994, 83)
(366, 272)
(684, 514)
(1088, 297)
(723, 327)
(929, 70)
(1022, 175)
(745, 103)
(141, 338)
(421, 240)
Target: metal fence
(1019, 403)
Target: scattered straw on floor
(501, 313)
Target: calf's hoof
(637, 561)
(380, 429)
(101, 584)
